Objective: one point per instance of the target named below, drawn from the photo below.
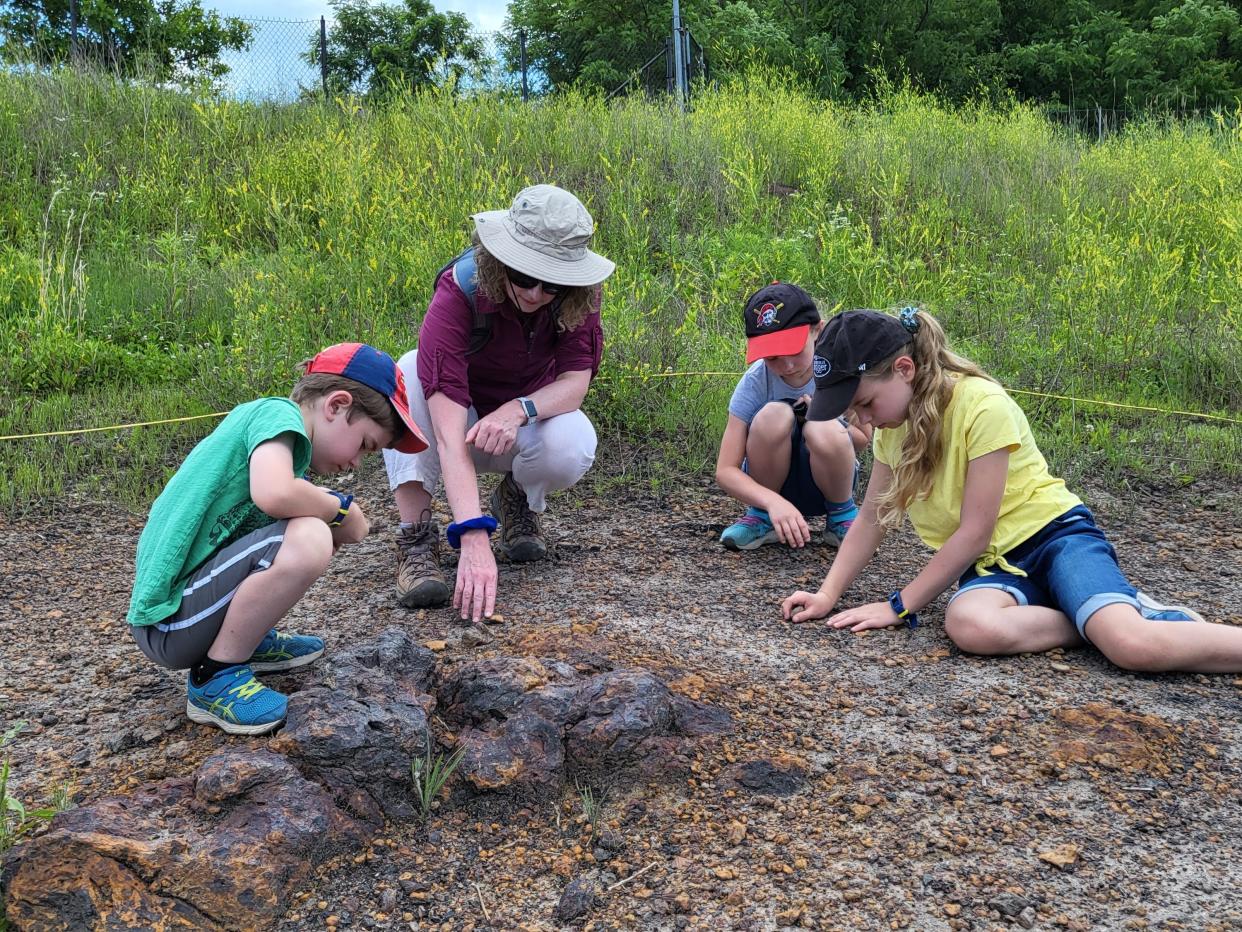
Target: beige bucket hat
(544, 234)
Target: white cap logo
(822, 367)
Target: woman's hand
(871, 615)
(806, 606)
(496, 433)
(791, 527)
(475, 593)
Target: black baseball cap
(778, 318)
(851, 343)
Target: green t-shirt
(206, 505)
(980, 419)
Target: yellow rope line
(657, 375)
(95, 430)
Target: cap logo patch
(822, 366)
(765, 314)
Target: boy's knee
(774, 419)
(828, 440)
(307, 545)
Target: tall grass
(165, 255)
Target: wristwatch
(528, 407)
(910, 618)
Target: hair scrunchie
(908, 319)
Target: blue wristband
(482, 523)
(342, 511)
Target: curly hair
(367, 401)
(576, 304)
(921, 449)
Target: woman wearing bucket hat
(506, 353)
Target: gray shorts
(182, 640)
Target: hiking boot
(520, 537)
(236, 702)
(749, 532)
(420, 582)
(278, 651)
(1152, 610)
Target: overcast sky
(486, 14)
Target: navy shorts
(183, 639)
(1070, 566)
(799, 487)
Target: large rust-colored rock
(221, 851)
(525, 721)
(357, 731)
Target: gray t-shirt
(758, 386)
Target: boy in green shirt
(237, 537)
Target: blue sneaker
(1152, 610)
(235, 701)
(751, 531)
(835, 528)
(279, 651)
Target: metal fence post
(522, 46)
(323, 54)
(679, 73)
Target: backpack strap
(465, 274)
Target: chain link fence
(278, 64)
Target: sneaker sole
(769, 538)
(275, 666)
(203, 717)
(1147, 602)
(425, 596)
(831, 539)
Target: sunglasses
(524, 281)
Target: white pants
(547, 456)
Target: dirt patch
(878, 781)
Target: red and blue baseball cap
(778, 318)
(374, 369)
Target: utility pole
(679, 69)
(522, 43)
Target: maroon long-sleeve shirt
(525, 352)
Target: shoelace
(520, 521)
(751, 521)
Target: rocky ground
(870, 782)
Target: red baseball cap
(778, 318)
(375, 369)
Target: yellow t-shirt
(980, 419)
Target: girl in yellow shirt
(955, 453)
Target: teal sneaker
(1152, 610)
(236, 702)
(751, 531)
(279, 651)
(835, 529)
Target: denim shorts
(799, 488)
(1070, 566)
(183, 639)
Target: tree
(166, 40)
(374, 48)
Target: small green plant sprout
(593, 804)
(16, 821)
(430, 772)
